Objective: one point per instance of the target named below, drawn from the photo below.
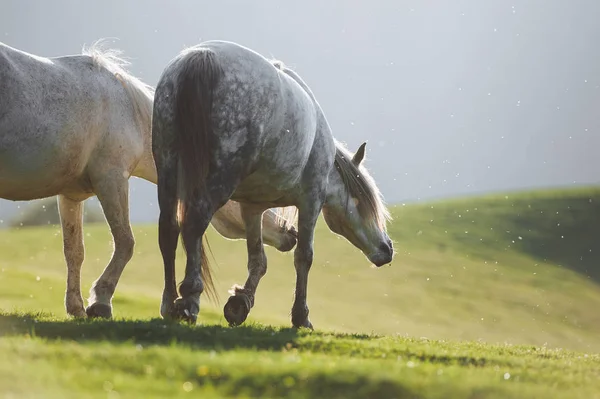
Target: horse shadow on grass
(158, 332)
(154, 332)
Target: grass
(157, 359)
(505, 288)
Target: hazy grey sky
(454, 97)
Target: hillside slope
(558, 227)
(44, 357)
(520, 268)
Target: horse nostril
(293, 232)
(386, 248)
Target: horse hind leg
(168, 234)
(112, 191)
(71, 219)
(238, 306)
(218, 190)
(193, 228)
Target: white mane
(140, 93)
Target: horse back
(263, 113)
(55, 118)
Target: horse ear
(359, 155)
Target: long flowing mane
(361, 186)
(140, 93)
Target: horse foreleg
(71, 219)
(242, 300)
(112, 191)
(303, 259)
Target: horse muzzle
(383, 255)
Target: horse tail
(198, 77)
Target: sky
(454, 97)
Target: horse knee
(127, 245)
(261, 266)
(303, 257)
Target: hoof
(308, 325)
(236, 309)
(167, 310)
(74, 306)
(78, 314)
(99, 310)
(305, 324)
(300, 318)
(167, 306)
(185, 310)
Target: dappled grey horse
(75, 126)
(230, 124)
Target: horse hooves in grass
(305, 324)
(78, 315)
(185, 310)
(236, 309)
(76, 312)
(99, 310)
(300, 318)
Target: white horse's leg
(238, 306)
(71, 219)
(112, 191)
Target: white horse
(78, 126)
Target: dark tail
(197, 80)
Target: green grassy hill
(520, 268)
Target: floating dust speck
(188, 386)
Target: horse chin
(287, 244)
(380, 259)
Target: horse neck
(335, 185)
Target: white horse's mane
(140, 93)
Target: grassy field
(488, 297)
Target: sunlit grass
(458, 276)
(56, 358)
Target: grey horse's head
(354, 207)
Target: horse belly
(27, 187)
(24, 189)
(268, 189)
(39, 172)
